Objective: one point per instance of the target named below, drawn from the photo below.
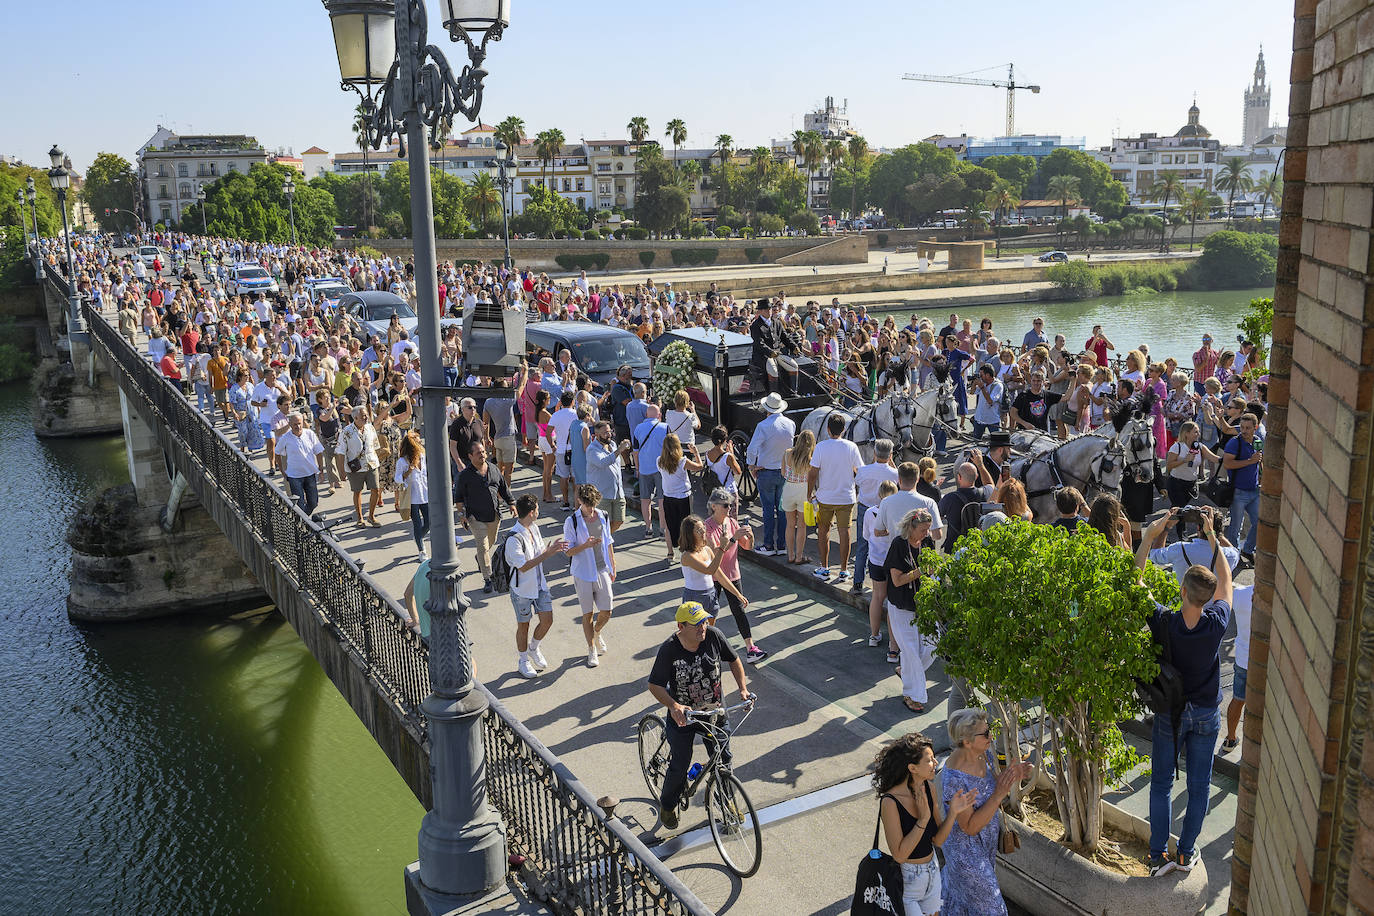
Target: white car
(147, 253)
(250, 279)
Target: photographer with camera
(1183, 467)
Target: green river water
(1171, 323)
(178, 766)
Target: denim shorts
(526, 608)
(921, 888)
(1238, 683)
(650, 486)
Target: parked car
(596, 349)
(326, 291)
(147, 253)
(370, 312)
(250, 279)
(1054, 256)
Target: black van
(597, 350)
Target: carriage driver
(686, 676)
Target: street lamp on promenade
(289, 189)
(23, 216)
(31, 190)
(61, 180)
(504, 160)
(204, 226)
(406, 87)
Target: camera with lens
(1193, 515)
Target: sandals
(912, 705)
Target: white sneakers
(600, 643)
(526, 666)
(537, 657)
(592, 660)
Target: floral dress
(969, 878)
(391, 435)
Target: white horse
(890, 418)
(1094, 462)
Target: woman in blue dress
(579, 437)
(969, 878)
(245, 414)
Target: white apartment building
(174, 167)
(569, 174)
(1138, 162)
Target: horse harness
(1051, 460)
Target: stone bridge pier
(74, 394)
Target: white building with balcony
(173, 167)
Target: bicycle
(729, 813)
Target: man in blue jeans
(987, 404)
(772, 437)
(1193, 634)
(1241, 459)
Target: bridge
(570, 845)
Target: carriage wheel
(748, 489)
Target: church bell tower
(1256, 106)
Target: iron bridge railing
(587, 861)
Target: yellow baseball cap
(691, 613)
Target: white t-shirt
(837, 460)
(1242, 597)
(1188, 470)
(877, 546)
(300, 452)
(675, 483)
(896, 507)
(870, 477)
(1101, 389)
(561, 422)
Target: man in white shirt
(895, 507)
(831, 484)
(263, 309)
(867, 481)
(303, 458)
(529, 587)
(591, 548)
(265, 394)
(560, 424)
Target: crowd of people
(327, 406)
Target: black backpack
(501, 571)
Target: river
(193, 765)
(1171, 323)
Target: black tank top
(907, 821)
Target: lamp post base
(508, 899)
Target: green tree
(1236, 260)
(1233, 179)
(15, 178)
(691, 175)
(661, 203)
(545, 213)
(1257, 325)
(806, 221)
(1197, 204)
(111, 185)
(1096, 187)
(725, 146)
(483, 195)
(892, 174)
(638, 128)
(253, 206)
(1021, 600)
(511, 131)
(1016, 170)
(676, 132)
(1269, 187)
(1166, 187)
(547, 145)
(1001, 200)
(858, 159)
(928, 195)
(1066, 189)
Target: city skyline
(277, 77)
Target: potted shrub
(1033, 611)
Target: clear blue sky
(267, 68)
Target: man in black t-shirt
(686, 675)
(1031, 409)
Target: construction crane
(1009, 84)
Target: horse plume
(940, 367)
(1136, 405)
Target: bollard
(607, 804)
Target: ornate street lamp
(505, 160)
(407, 87)
(61, 180)
(289, 189)
(31, 190)
(200, 198)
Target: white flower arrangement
(675, 368)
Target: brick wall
(1305, 825)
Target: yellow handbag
(809, 513)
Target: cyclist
(686, 676)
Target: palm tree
(360, 121)
(1270, 187)
(677, 132)
(1197, 203)
(1168, 185)
(834, 157)
(813, 154)
(638, 128)
(725, 145)
(1064, 188)
(1232, 177)
(691, 176)
(1000, 200)
(438, 138)
(510, 132)
(858, 149)
(482, 196)
(547, 145)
